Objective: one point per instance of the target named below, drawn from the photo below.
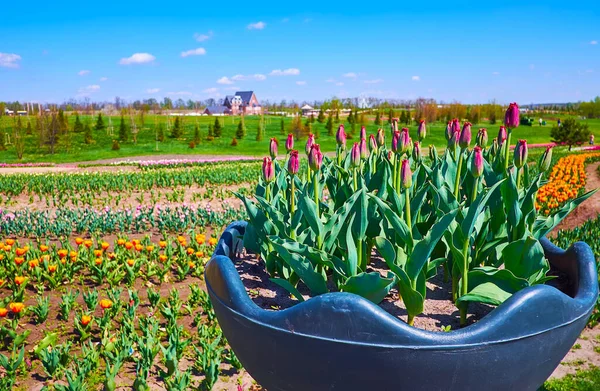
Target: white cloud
(83, 73)
(137, 58)
(593, 42)
(339, 84)
(180, 93)
(225, 80)
(257, 26)
(104, 78)
(350, 75)
(211, 90)
(330, 80)
(231, 88)
(285, 72)
(152, 90)
(256, 77)
(301, 83)
(374, 81)
(194, 52)
(203, 37)
(495, 73)
(416, 78)
(9, 60)
(87, 91)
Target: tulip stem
(395, 172)
(519, 177)
(407, 208)
(317, 201)
(355, 178)
(411, 320)
(268, 192)
(292, 207)
(458, 172)
(507, 150)
(475, 190)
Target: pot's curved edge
(351, 318)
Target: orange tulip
(162, 257)
(10, 242)
(200, 238)
(149, 248)
(43, 248)
(162, 244)
(139, 247)
(212, 241)
(20, 279)
(88, 243)
(131, 262)
(85, 320)
(199, 254)
(3, 312)
(20, 251)
(19, 260)
(62, 253)
(191, 265)
(190, 251)
(79, 241)
(105, 245)
(52, 268)
(98, 261)
(128, 245)
(16, 307)
(34, 263)
(105, 304)
(98, 253)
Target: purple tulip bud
(373, 143)
(355, 155)
(495, 147)
(267, 169)
(422, 130)
(310, 142)
(511, 118)
(477, 162)
(433, 154)
(363, 132)
(501, 135)
(416, 152)
(404, 142)
(364, 151)
(293, 163)
(453, 143)
(380, 137)
(449, 131)
(289, 143)
(395, 141)
(340, 137)
(482, 137)
(405, 174)
(455, 125)
(520, 157)
(273, 148)
(545, 160)
(315, 157)
(465, 136)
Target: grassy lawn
(248, 146)
(584, 380)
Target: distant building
(21, 113)
(307, 110)
(9, 112)
(218, 110)
(243, 102)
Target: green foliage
(583, 380)
(160, 134)
(87, 134)
(241, 129)
(177, 131)
(99, 123)
(378, 118)
(197, 137)
(78, 126)
(321, 116)
(329, 126)
(123, 130)
(571, 132)
(115, 145)
(218, 128)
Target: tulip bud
(520, 156)
(273, 148)
(380, 137)
(309, 142)
(340, 137)
(355, 155)
(315, 157)
(495, 147)
(545, 160)
(363, 132)
(396, 141)
(405, 174)
(267, 170)
(501, 135)
(511, 118)
(389, 155)
(404, 141)
(465, 136)
(455, 125)
(289, 143)
(453, 143)
(482, 138)
(394, 125)
(416, 152)
(293, 163)
(373, 143)
(477, 162)
(433, 155)
(449, 132)
(422, 130)
(364, 152)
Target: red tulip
(289, 143)
(502, 135)
(293, 163)
(477, 162)
(315, 157)
(520, 157)
(273, 148)
(267, 169)
(465, 136)
(355, 155)
(511, 118)
(340, 137)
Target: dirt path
(590, 208)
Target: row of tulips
(470, 211)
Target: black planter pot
(340, 341)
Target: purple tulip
(310, 142)
(511, 118)
(501, 135)
(416, 152)
(455, 125)
(363, 132)
(373, 143)
(267, 169)
(477, 162)
(465, 136)
(289, 143)
(355, 155)
(364, 152)
(482, 137)
(405, 174)
(315, 157)
(395, 141)
(449, 132)
(545, 160)
(293, 163)
(340, 137)
(404, 142)
(453, 143)
(520, 157)
(422, 130)
(273, 148)
(380, 137)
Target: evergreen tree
(176, 132)
(210, 131)
(337, 116)
(217, 130)
(161, 133)
(390, 116)
(87, 134)
(282, 129)
(407, 118)
(378, 118)
(259, 133)
(123, 133)
(29, 129)
(197, 137)
(350, 118)
(63, 122)
(99, 123)
(321, 116)
(570, 132)
(240, 132)
(329, 126)
(78, 127)
(402, 117)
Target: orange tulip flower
(16, 307)
(3, 312)
(105, 304)
(85, 320)
(20, 279)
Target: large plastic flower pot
(340, 341)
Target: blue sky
(468, 51)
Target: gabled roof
(217, 109)
(245, 95)
(306, 107)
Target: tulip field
(101, 263)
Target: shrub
(115, 145)
(234, 142)
(192, 145)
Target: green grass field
(248, 146)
